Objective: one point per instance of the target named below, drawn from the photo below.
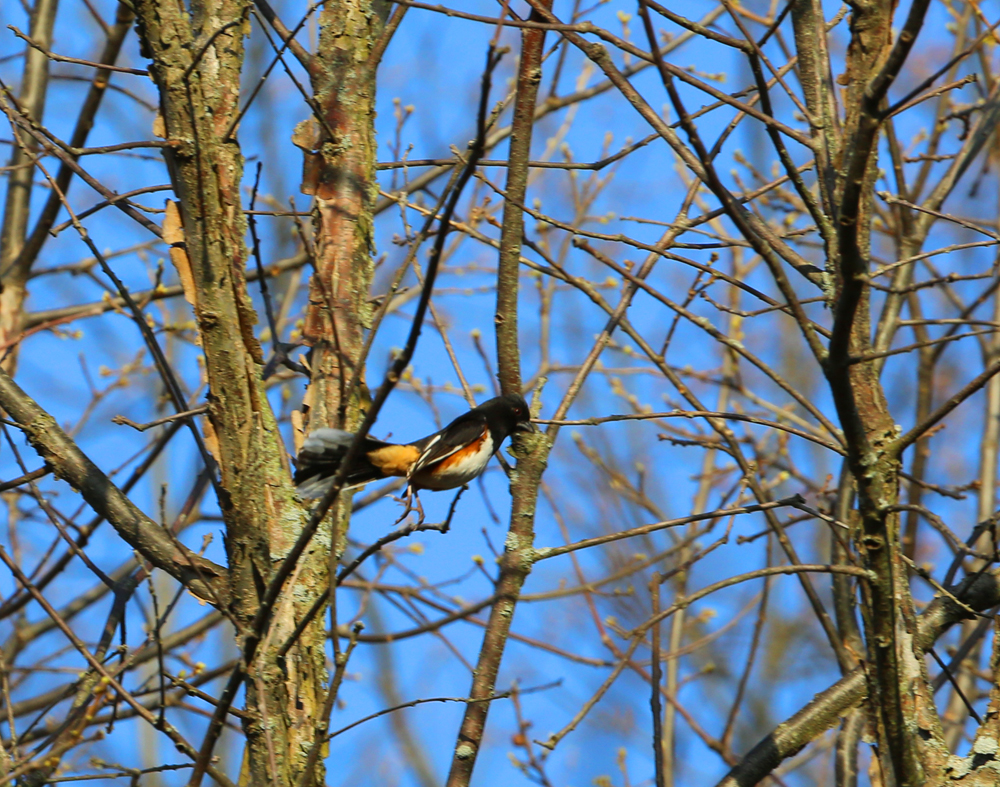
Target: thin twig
(75, 60)
(123, 421)
(413, 703)
(654, 684)
(946, 671)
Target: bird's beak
(526, 426)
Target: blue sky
(434, 64)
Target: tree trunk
(197, 61)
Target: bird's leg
(413, 503)
(420, 509)
(408, 499)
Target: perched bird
(444, 460)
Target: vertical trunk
(340, 173)
(340, 152)
(903, 713)
(515, 565)
(809, 28)
(20, 252)
(14, 271)
(197, 60)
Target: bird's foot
(412, 501)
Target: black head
(507, 414)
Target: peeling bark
(340, 172)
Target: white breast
(453, 474)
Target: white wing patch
(449, 475)
(422, 459)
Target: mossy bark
(197, 60)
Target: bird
(447, 459)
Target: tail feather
(320, 457)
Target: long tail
(320, 458)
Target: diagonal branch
(979, 592)
(204, 578)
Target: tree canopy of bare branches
(740, 257)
